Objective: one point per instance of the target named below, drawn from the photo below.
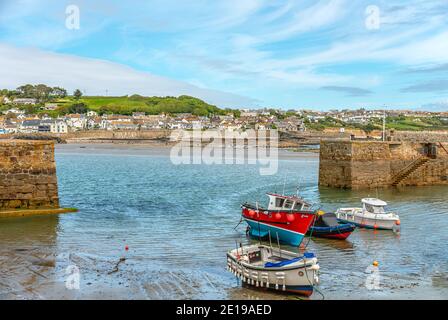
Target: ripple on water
(179, 221)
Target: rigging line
(241, 220)
(311, 233)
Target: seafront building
(15, 120)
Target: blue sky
(235, 53)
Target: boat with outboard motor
(327, 225)
(272, 268)
(287, 217)
(372, 215)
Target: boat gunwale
(273, 269)
(305, 262)
(290, 211)
(386, 216)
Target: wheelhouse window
(374, 209)
(298, 206)
(279, 202)
(288, 204)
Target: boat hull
(340, 232)
(290, 227)
(306, 291)
(289, 278)
(361, 219)
(370, 223)
(262, 230)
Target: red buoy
(278, 216)
(290, 217)
(126, 248)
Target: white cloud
(23, 65)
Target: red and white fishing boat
(287, 218)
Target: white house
(50, 106)
(29, 126)
(15, 111)
(106, 124)
(58, 126)
(76, 121)
(92, 114)
(25, 101)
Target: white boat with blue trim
(372, 215)
(272, 268)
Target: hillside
(150, 105)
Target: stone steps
(409, 170)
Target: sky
(287, 54)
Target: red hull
(339, 236)
(295, 221)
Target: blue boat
(328, 226)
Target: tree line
(110, 105)
(41, 92)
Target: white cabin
(374, 205)
(284, 203)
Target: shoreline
(155, 150)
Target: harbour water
(179, 221)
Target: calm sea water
(179, 221)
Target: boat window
(279, 202)
(254, 256)
(288, 204)
(374, 209)
(298, 206)
(306, 207)
(378, 209)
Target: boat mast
(258, 222)
(270, 241)
(279, 249)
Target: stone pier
(371, 164)
(28, 182)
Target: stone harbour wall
(371, 164)
(27, 175)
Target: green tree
(78, 108)
(58, 92)
(77, 94)
(42, 92)
(26, 91)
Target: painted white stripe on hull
(270, 225)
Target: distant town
(43, 109)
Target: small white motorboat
(266, 267)
(373, 215)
